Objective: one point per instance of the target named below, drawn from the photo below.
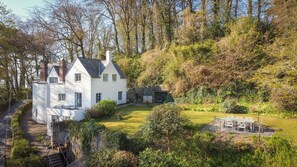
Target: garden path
(4, 117)
(33, 131)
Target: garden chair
(241, 125)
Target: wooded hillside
(201, 50)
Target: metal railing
(64, 157)
(49, 159)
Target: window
(77, 77)
(62, 97)
(105, 77)
(114, 77)
(53, 79)
(98, 97)
(120, 94)
(78, 99)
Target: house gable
(114, 68)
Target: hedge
(22, 154)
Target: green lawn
(134, 116)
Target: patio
(241, 125)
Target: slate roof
(57, 69)
(95, 67)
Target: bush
(101, 158)
(124, 159)
(285, 98)
(21, 153)
(102, 109)
(231, 106)
(21, 148)
(150, 158)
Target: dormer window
(105, 77)
(114, 77)
(53, 79)
(77, 77)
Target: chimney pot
(108, 56)
(62, 70)
(43, 70)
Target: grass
(134, 116)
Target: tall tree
(228, 10)
(236, 8)
(110, 8)
(204, 21)
(216, 21)
(250, 8)
(259, 4)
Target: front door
(78, 99)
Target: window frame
(105, 77)
(120, 95)
(114, 79)
(98, 98)
(76, 99)
(60, 97)
(55, 79)
(77, 77)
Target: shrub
(21, 153)
(21, 148)
(102, 109)
(137, 145)
(286, 98)
(124, 159)
(231, 106)
(150, 158)
(101, 158)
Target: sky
(20, 7)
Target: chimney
(108, 56)
(43, 70)
(62, 70)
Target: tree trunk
(228, 10)
(259, 10)
(116, 35)
(236, 9)
(216, 7)
(128, 44)
(250, 8)
(143, 36)
(136, 38)
(203, 27)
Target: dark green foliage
(124, 159)
(231, 106)
(151, 158)
(165, 121)
(22, 154)
(86, 131)
(102, 158)
(21, 148)
(3, 98)
(112, 158)
(208, 149)
(104, 108)
(137, 145)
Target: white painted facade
(47, 106)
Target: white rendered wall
(75, 115)
(39, 104)
(110, 89)
(55, 89)
(84, 86)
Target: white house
(62, 94)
